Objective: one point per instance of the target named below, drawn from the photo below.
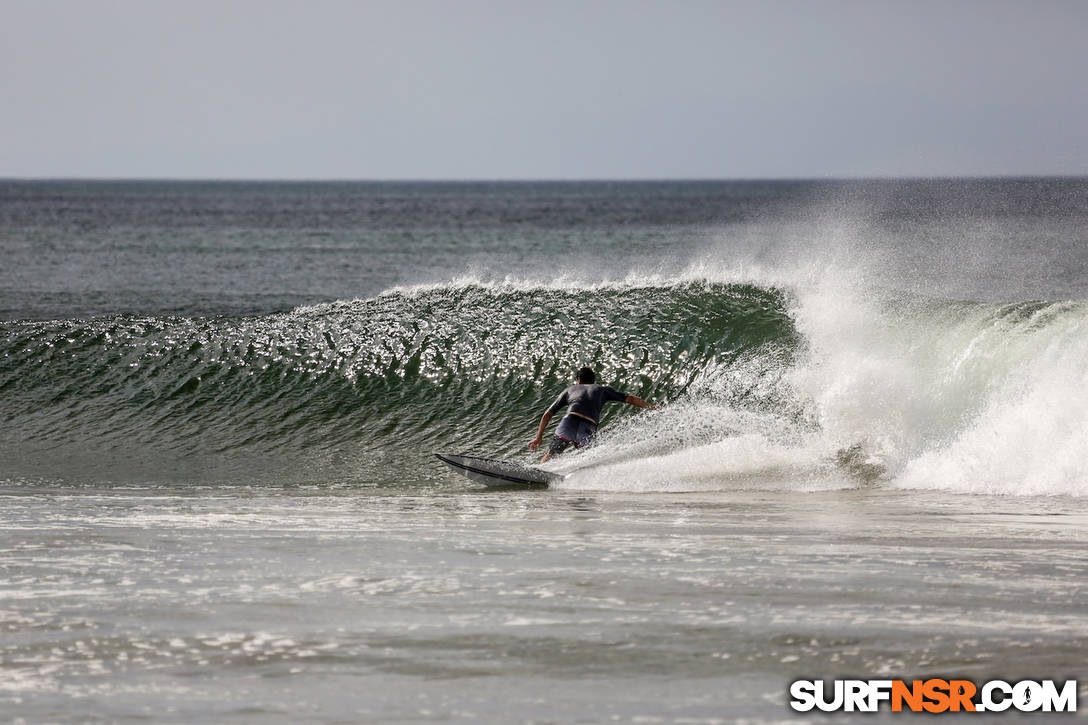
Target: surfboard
(491, 472)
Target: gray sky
(420, 89)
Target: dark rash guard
(586, 400)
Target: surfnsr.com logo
(933, 696)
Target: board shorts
(574, 431)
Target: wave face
(799, 384)
(431, 367)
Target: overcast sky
(465, 89)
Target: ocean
(220, 400)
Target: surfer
(578, 426)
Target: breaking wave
(794, 383)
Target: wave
(438, 365)
(804, 385)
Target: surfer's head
(586, 376)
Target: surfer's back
(587, 399)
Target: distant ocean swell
(762, 382)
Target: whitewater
(218, 420)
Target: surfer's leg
(557, 446)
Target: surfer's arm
(544, 420)
(638, 402)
